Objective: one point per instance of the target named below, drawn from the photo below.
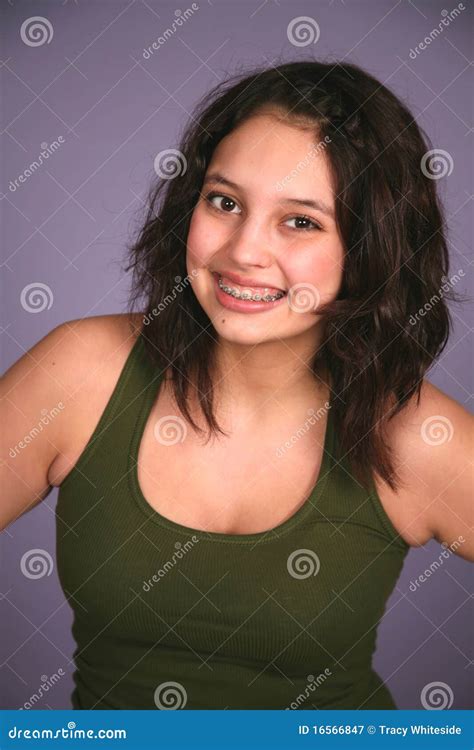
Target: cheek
(203, 237)
(321, 267)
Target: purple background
(67, 225)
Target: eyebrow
(317, 204)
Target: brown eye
(305, 219)
(227, 204)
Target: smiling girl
(245, 462)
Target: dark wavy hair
(378, 337)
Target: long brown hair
(377, 344)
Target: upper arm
(42, 397)
(32, 398)
(434, 440)
(451, 477)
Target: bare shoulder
(432, 442)
(93, 353)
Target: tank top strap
(343, 501)
(108, 450)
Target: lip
(241, 305)
(257, 283)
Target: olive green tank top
(169, 617)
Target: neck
(275, 375)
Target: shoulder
(89, 355)
(50, 398)
(432, 442)
(114, 329)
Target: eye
(313, 226)
(210, 198)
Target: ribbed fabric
(279, 619)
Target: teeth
(246, 295)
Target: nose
(249, 244)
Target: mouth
(248, 293)
(238, 298)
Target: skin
(257, 235)
(264, 358)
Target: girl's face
(253, 223)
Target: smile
(246, 295)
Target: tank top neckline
(259, 537)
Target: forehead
(265, 152)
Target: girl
(245, 462)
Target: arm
(31, 403)
(450, 428)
